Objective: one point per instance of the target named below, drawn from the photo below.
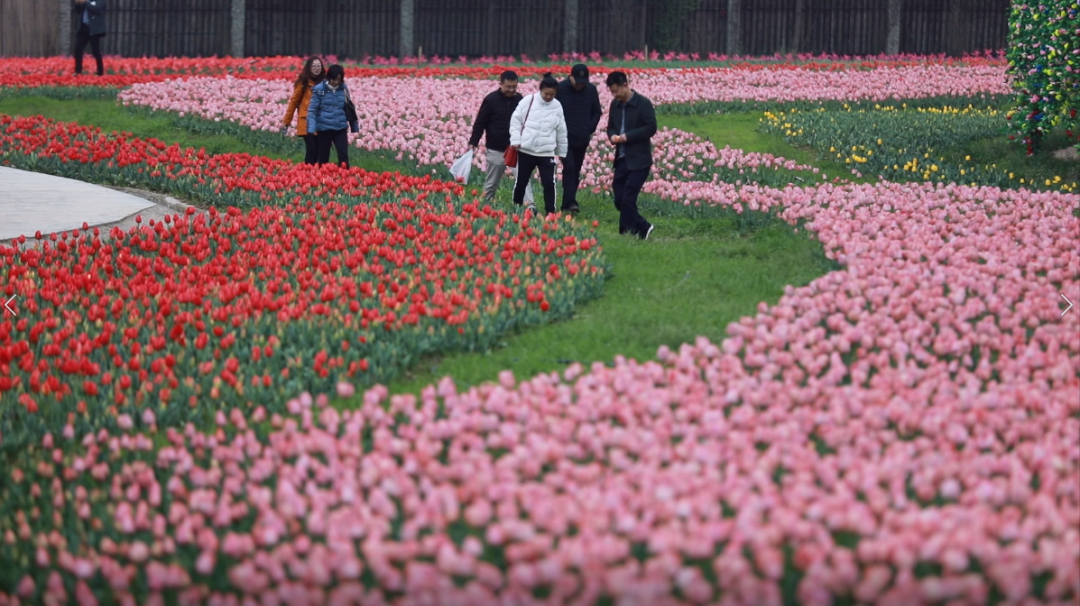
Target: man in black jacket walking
(581, 106)
(91, 16)
(493, 121)
(631, 125)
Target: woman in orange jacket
(311, 75)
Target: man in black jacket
(631, 125)
(493, 121)
(581, 106)
(91, 16)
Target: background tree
(669, 22)
(1044, 63)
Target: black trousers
(627, 186)
(81, 39)
(571, 175)
(340, 140)
(546, 165)
(311, 149)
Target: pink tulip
(138, 551)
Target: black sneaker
(649, 232)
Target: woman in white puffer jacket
(538, 131)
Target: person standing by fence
(631, 126)
(91, 19)
(493, 122)
(538, 131)
(581, 105)
(311, 75)
(328, 116)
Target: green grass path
(693, 277)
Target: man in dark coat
(493, 122)
(91, 20)
(631, 126)
(581, 106)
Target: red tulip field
(195, 411)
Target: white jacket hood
(544, 132)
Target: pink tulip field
(904, 430)
(426, 119)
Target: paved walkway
(31, 202)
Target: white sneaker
(530, 206)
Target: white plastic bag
(461, 167)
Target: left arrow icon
(8, 307)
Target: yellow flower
(879, 141)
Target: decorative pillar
(238, 22)
(570, 28)
(408, 27)
(896, 14)
(64, 23)
(734, 27)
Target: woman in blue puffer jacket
(327, 118)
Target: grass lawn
(108, 116)
(739, 131)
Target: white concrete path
(31, 202)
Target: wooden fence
(166, 28)
(29, 28)
(355, 28)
